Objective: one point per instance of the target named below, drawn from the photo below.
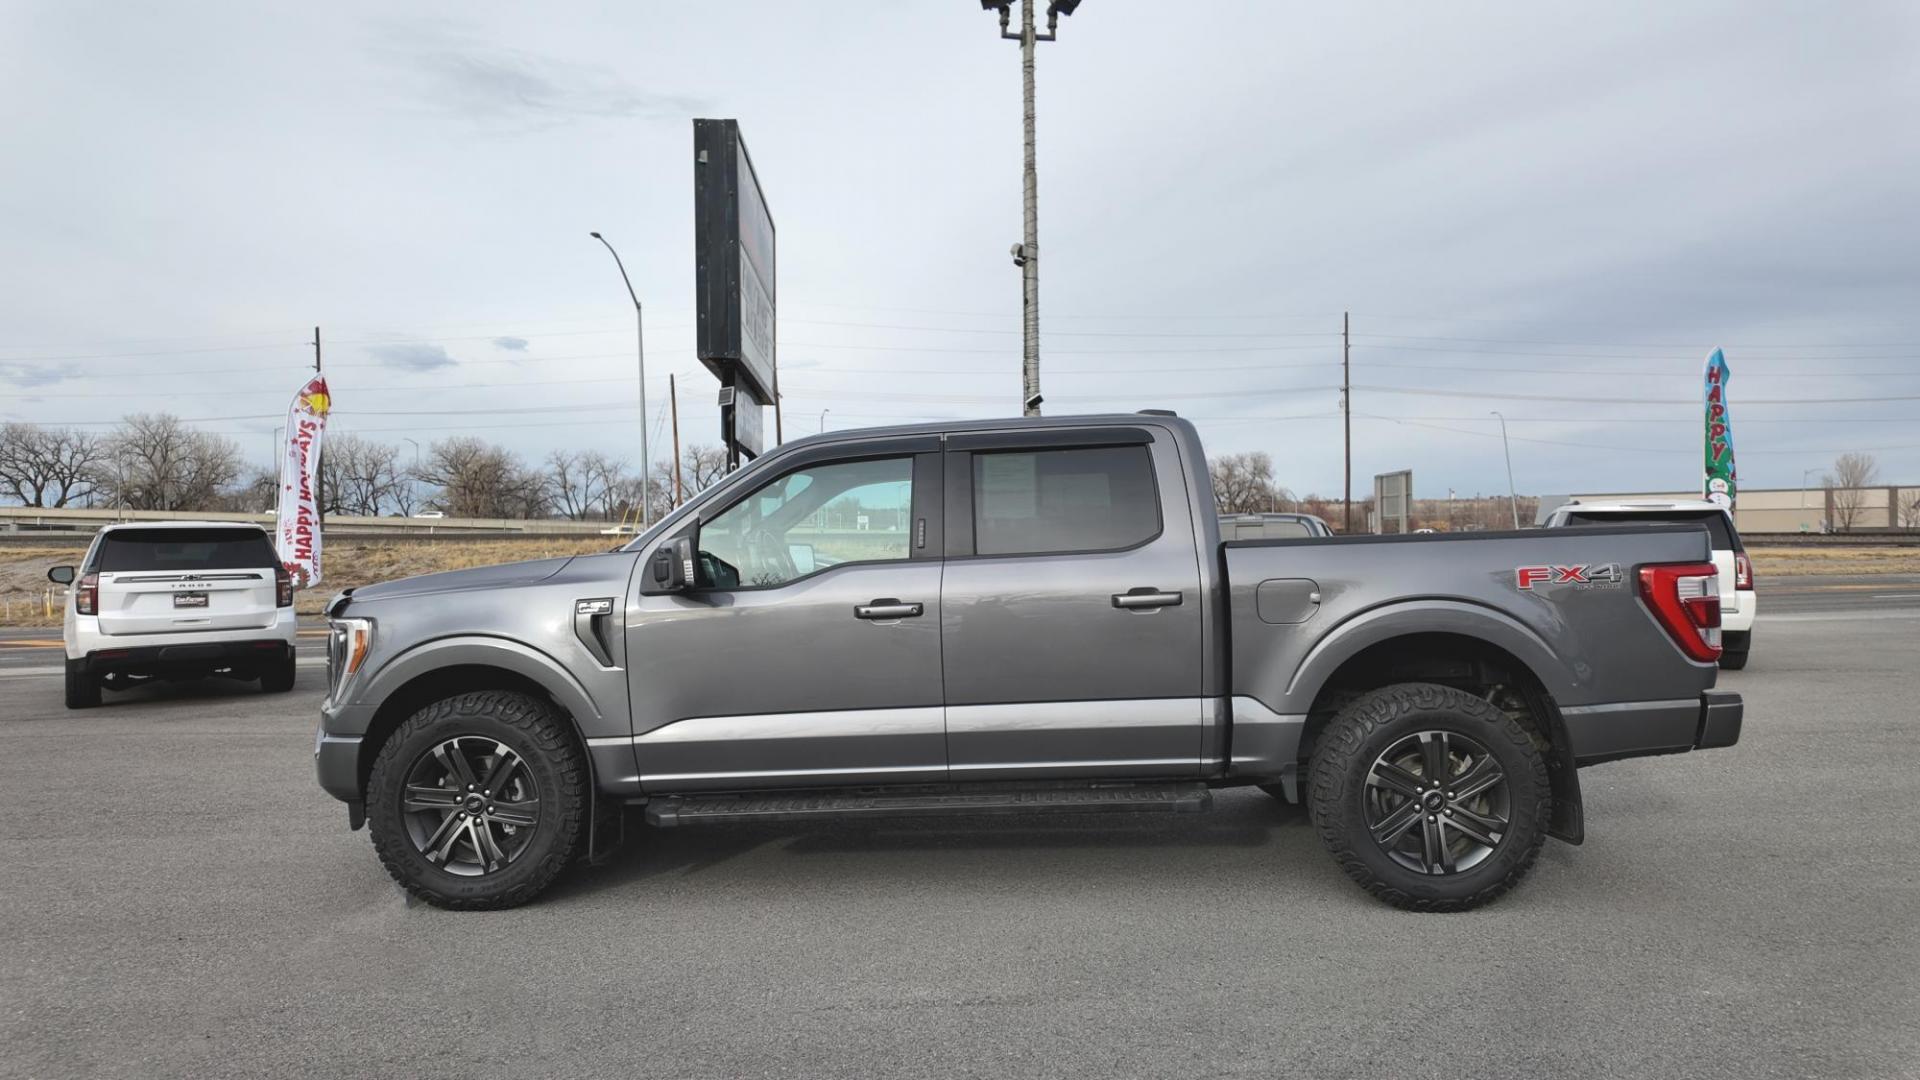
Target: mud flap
(1569, 821)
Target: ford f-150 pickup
(1017, 616)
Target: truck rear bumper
(247, 655)
(1645, 728)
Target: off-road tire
(83, 690)
(1366, 728)
(543, 738)
(277, 677)
(1733, 661)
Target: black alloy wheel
(471, 805)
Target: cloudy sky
(1550, 209)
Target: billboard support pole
(673, 395)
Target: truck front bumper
(1645, 728)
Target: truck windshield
(1724, 536)
(184, 549)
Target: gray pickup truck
(1014, 616)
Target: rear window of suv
(184, 550)
(1724, 538)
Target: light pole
(640, 343)
(823, 420)
(1026, 254)
(1513, 501)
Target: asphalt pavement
(181, 900)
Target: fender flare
(1436, 615)
(486, 650)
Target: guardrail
(87, 521)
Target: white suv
(177, 600)
(1739, 603)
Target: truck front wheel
(1429, 797)
(477, 801)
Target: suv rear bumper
(186, 657)
(1645, 728)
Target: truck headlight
(348, 641)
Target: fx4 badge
(1580, 577)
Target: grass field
(25, 593)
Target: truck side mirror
(60, 575)
(670, 568)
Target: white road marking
(42, 672)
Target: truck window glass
(1034, 502)
(812, 519)
(184, 549)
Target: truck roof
(934, 427)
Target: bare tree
(1910, 508)
(155, 462)
(1846, 488)
(48, 466)
(359, 476)
(1243, 484)
(478, 479)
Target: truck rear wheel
(1429, 797)
(478, 801)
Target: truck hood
(506, 575)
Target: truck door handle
(1146, 596)
(888, 608)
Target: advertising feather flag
(298, 534)
(1720, 482)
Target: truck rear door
(1070, 607)
(158, 581)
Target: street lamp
(640, 340)
(1513, 501)
(823, 420)
(1026, 254)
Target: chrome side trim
(1057, 715)
(611, 740)
(1265, 743)
(797, 725)
(1627, 707)
(1183, 763)
(655, 778)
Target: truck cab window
(1040, 501)
(812, 519)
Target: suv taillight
(1685, 599)
(282, 587)
(86, 595)
(1742, 571)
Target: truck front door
(809, 652)
(1070, 605)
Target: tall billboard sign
(735, 283)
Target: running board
(1163, 798)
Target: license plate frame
(189, 600)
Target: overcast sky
(1551, 209)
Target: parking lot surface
(181, 900)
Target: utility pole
(1513, 501)
(1026, 254)
(1346, 404)
(640, 341)
(316, 350)
(673, 392)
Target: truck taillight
(282, 587)
(86, 595)
(1685, 599)
(1742, 571)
